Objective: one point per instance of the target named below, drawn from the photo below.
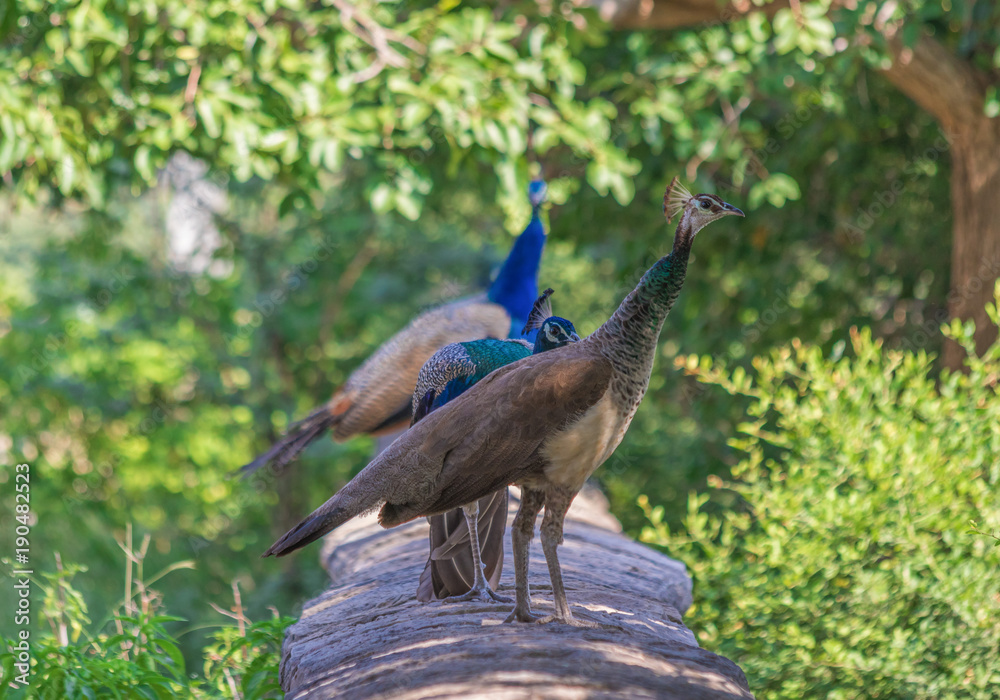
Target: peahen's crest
(539, 312)
(704, 208)
(675, 198)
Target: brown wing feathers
(463, 451)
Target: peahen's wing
(490, 436)
(378, 394)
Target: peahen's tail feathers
(356, 498)
(299, 436)
(309, 530)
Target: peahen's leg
(480, 588)
(524, 529)
(557, 502)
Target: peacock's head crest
(697, 210)
(553, 331)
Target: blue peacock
(376, 398)
(460, 566)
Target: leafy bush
(134, 654)
(852, 572)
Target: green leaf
(208, 117)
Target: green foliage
(369, 181)
(974, 528)
(97, 95)
(142, 661)
(850, 571)
(134, 388)
(135, 654)
(247, 659)
(293, 90)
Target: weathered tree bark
(954, 92)
(368, 637)
(949, 88)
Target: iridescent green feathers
(456, 367)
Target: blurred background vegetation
(211, 215)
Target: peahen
(460, 566)
(376, 398)
(545, 422)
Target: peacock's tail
(299, 436)
(449, 570)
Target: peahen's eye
(703, 203)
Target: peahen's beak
(731, 210)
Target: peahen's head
(697, 210)
(553, 331)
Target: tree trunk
(954, 92)
(975, 256)
(368, 637)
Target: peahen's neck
(629, 337)
(516, 286)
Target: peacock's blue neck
(516, 286)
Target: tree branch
(950, 89)
(675, 14)
(368, 637)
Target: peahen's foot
(572, 622)
(483, 594)
(523, 614)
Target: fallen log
(368, 637)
